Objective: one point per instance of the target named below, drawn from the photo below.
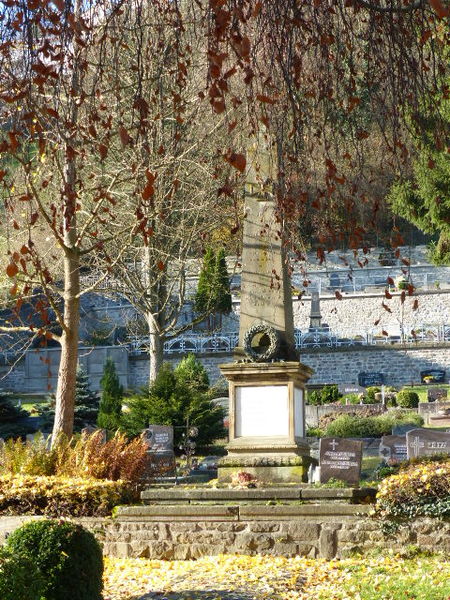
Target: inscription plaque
(340, 458)
(426, 442)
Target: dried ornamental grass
(86, 457)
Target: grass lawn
(422, 390)
(386, 577)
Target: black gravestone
(437, 393)
(340, 458)
(159, 438)
(369, 379)
(393, 447)
(426, 442)
(437, 375)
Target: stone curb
(236, 512)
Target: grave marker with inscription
(370, 379)
(340, 459)
(435, 375)
(159, 439)
(426, 442)
(393, 447)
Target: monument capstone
(267, 381)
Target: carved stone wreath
(268, 339)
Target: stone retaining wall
(324, 531)
(400, 364)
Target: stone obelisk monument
(266, 383)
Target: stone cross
(266, 296)
(416, 445)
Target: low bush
(407, 399)
(420, 489)
(20, 579)
(327, 395)
(350, 399)
(67, 555)
(369, 396)
(351, 425)
(62, 496)
(86, 457)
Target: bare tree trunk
(65, 393)
(156, 348)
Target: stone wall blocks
(285, 550)
(309, 550)
(327, 542)
(199, 550)
(181, 552)
(160, 551)
(121, 550)
(264, 527)
(302, 531)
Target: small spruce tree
(86, 402)
(110, 408)
(86, 405)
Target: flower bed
(62, 496)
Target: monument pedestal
(266, 421)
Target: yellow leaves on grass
(277, 578)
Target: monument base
(266, 469)
(267, 426)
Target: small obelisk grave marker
(266, 383)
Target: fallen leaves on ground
(229, 577)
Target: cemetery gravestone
(426, 442)
(340, 459)
(437, 375)
(159, 439)
(393, 447)
(349, 388)
(369, 379)
(437, 393)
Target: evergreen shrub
(375, 426)
(369, 396)
(110, 408)
(327, 395)
(12, 419)
(20, 579)
(176, 397)
(407, 399)
(58, 496)
(418, 489)
(67, 555)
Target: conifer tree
(10, 419)
(86, 405)
(86, 401)
(204, 300)
(110, 408)
(222, 294)
(177, 397)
